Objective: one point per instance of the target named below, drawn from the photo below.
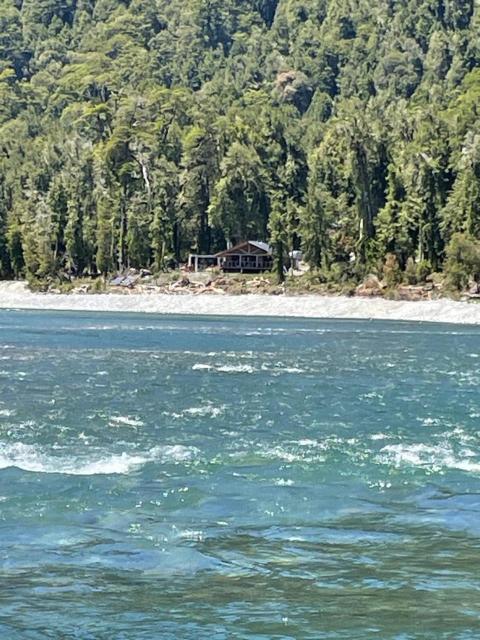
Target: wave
(284, 482)
(33, 459)
(432, 458)
(204, 411)
(292, 370)
(126, 421)
(174, 453)
(30, 458)
(192, 534)
(224, 368)
(275, 369)
(289, 454)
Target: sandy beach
(15, 295)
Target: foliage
(133, 132)
(391, 270)
(463, 261)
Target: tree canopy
(135, 131)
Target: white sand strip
(15, 295)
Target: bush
(341, 272)
(98, 285)
(391, 270)
(463, 261)
(424, 269)
(411, 271)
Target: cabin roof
(262, 246)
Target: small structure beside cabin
(249, 256)
(198, 262)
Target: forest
(133, 132)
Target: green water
(229, 479)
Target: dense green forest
(135, 131)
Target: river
(193, 478)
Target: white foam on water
(30, 458)
(433, 458)
(372, 395)
(431, 422)
(99, 327)
(458, 434)
(174, 453)
(190, 534)
(284, 482)
(125, 421)
(34, 459)
(467, 465)
(204, 411)
(280, 367)
(224, 354)
(118, 464)
(291, 454)
(282, 454)
(224, 368)
(380, 484)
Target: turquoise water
(218, 478)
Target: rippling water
(214, 479)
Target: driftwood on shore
(219, 285)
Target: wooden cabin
(246, 257)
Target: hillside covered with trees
(135, 131)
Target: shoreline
(15, 295)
